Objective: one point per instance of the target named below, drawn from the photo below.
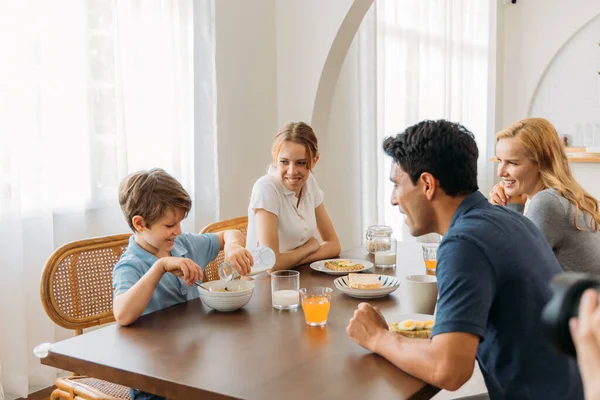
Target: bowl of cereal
(226, 295)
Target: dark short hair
(446, 150)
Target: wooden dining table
(190, 351)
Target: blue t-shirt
(494, 269)
(171, 290)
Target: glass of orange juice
(430, 257)
(315, 303)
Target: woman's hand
(585, 331)
(499, 197)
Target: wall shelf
(575, 155)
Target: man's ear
(138, 223)
(430, 185)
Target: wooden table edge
(164, 388)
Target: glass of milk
(386, 258)
(285, 289)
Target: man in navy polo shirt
(493, 271)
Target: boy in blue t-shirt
(161, 263)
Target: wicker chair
(76, 292)
(211, 272)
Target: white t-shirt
(295, 224)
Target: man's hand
(184, 268)
(585, 331)
(239, 257)
(367, 326)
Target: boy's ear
(138, 223)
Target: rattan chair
(76, 292)
(211, 272)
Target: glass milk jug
(264, 259)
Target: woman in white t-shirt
(286, 208)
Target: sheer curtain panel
(433, 61)
(89, 92)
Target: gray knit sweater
(577, 251)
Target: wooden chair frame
(65, 303)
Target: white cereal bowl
(226, 301)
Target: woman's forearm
(292, 258)
(327, 250)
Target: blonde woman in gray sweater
(534, 170)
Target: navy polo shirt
(171, 290)
(494, 269)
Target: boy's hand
(239, 257)
(184, 268)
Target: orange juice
(430, 266)
(315, 309)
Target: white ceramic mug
(421, 293)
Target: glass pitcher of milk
(264, 259)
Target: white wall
(246, 97)
(269, 58)
(305, 32)
(531, 34)
(572, 76)
(339, 169)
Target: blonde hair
(150, 194)
(544, 148)
(300, 133)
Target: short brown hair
(150, 194)
(297, 132)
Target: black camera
(567, 289)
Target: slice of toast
(423, 334)
(343, 265)
(363, 281)
(414, 334)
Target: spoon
(201, 285)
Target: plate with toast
(415, 326)
(341, 266)
(367, 286)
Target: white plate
(320, 266)
(388, 285)
(403, 317)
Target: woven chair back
(211, 272)
(76, 286)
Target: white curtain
(433, 61)
(89, 92)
